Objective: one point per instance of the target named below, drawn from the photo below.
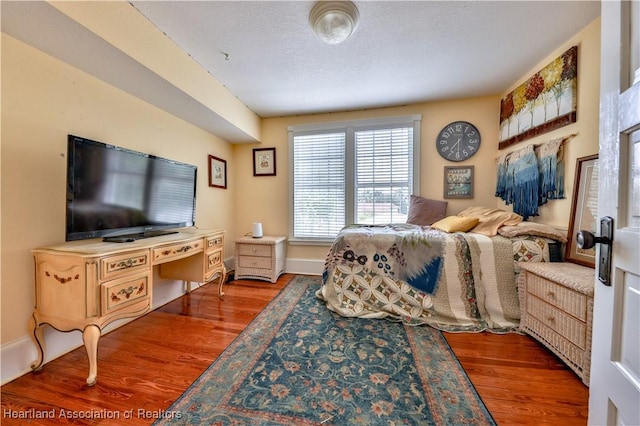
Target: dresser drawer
(566, 299)
(177, 251)
(254, 250)
(114, 266)
(254, 262)
(214, 260)
(119, 293)
(565, 325)
(214, 242)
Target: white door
(615, 369)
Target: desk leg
(90, 336)
(38, 339)
(223, 275)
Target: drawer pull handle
(551, 294)
(184, 249)
(551, 319)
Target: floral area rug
(298, 363)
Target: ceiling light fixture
(334, 21)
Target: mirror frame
(584, 210)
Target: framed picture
(264, 162)
(217, 172)
(584, 210)
(458, 182)
(545, 102)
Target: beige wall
(266, 199)
(43, 100)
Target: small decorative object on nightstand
(260, 258)
(556, 303)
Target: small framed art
(458, 182)
(217, 172)
(264, 162)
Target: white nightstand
(556, 304)
(260, 258)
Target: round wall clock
(458, 141)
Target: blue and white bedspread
(420, 275)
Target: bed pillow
(532, 228)
(424, 212)
(456, 224)
(490, 220)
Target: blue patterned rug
(298, 363)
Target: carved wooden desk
(86, 285)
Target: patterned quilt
(419, 275)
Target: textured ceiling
(402, 52)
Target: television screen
(123, 194)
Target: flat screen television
(124, 195)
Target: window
(351, 172)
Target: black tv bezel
(125, 234)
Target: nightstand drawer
(563, 324)
(254, 250)
(177, 251)
(254, 262)
(568, 300)
(115, 266)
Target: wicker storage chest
(556, 302)
(260, 258)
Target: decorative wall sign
(264, 162)
(458, 182)
(545, 102)
(217, 172)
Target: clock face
(458, 141)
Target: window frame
(349, 128)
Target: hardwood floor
(147, 364)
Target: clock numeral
(474, 141)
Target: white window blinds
(319, 185)
(356, 172)
(384, 175)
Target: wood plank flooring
(147, 364)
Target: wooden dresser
(556, 301)
(85, 285)
(260, 258)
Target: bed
(438, 275)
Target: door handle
(586, 240)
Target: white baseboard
(304, 266)
(17, 356)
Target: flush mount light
(334, 21)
